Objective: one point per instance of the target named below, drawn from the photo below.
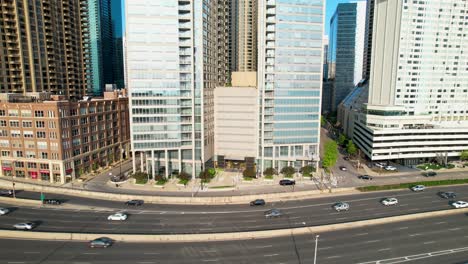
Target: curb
(225, 236)
(212, 200)
(10, 200)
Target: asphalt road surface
(177, 219)
(427, 241)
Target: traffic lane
(148, 222)
(227, 208)
(358, 245)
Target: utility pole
(316, 243)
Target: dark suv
(257, 202)
(287, 182)
(447, 195)
(365, 177)
(6, 192)
(135, 202)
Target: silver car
(25, 226)
(273, 213)
(4, 211)
(418, 188)
(341, 206)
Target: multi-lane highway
(428, 241)
(171, 219)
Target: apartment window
(55, 156)
(53, 135)
(2, 113)
(74, 122)
(44, 166)
(39, 113)
(13, 112)
(31, 154)
(3, 133)
(32, 165)
(19, 164)
(26, 113)
(52, 124)
(44, 155)
(92, 110)
(83, 111)
(27, 123)
(40, 124)
(73, 112)
(15, 133)
(14, 124)
(75, 132)
(41, 134)
(18, 154)
(28, 134)
(42, 145)
(5, 153)
(84, 121)
(84, 130)
(4, 143)
(3, 123)
(51, 113)
(54, 145)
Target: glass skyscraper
(290, 79)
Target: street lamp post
(316, 243)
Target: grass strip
(410, 184)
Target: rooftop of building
(47, 97)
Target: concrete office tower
(368, 39)
(346, 46)
(105, 64)
(417, 103)
(42, 48)
(244, 35)
(290, 65)
(176, 54)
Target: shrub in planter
(184, 177)
(288, 171)
(140, 177)
(307, 170)
(160, 179)
(249, 173)
(207, 175)
(269, 172)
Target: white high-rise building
(176, 54)
(290, 68)
(417, 103)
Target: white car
(118, 217)
(460, 204)
(390, 168)
(389, 201)
(380, 165)
(418, 188)
(341, 206)
(24, 226)
(4, 211)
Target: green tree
(464, 155)
(140, 177)
(249, 173)
(323, 122)
(270, 172)
(95, 166)
(351, 148)
(330, 154)
(341, 140)
(288, 171)
(307, 170)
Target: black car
(52, 201)
(430, 174)
(6, 192)
(135, 202)
(257, 202)
(101, 242)
(447, 195)
(365, 177)
(287, 182)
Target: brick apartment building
(46, 137)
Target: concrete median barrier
(20, 201)
(225, 236)
(212, 200)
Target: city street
(428, 241)
(172, 219)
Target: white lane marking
(31, 252)
(341, 218)
(146, 262)
(455, 229)
(372, 241)
(404, 204)
(324, 248)
(331, 257)
(416, 257)
(429, 242)
(439, 223)
(249, 221)
(210, 260)
(401, 228)
(209, 251)
(90, 253)
(267, 246)
(151, 253)
(271, 255)
(15, 262)
(361, 234)
(413, 235)
(384, 249)
(295, 217)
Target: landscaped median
(226, 236)
(411, 184)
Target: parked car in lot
(341, 206)
(52, 201)
(135, 202)
(4, 211)
(25, 226)
(6, 192)
(120, 216)
(447, 195)
(390, 168)
(273, 213)
(365, 177)
(287, 182)
(257, 202)
(460, 204)
(430, 173)
(389, 201)
(343, 168)
(102, 242)
(380, 165)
